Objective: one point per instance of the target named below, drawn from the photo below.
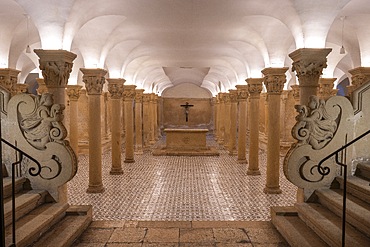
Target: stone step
(329, 226)
(7, 185)
(293, 229)
(65, 232)
(357, 186)
(363, 170)
(24, 203)
(358, 212)
(30, 227)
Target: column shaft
(139, 121)
(129, 94)
(242, 130)
(233, 120)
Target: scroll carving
(37, 128)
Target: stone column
(215, 116)
(155, 108)
(296, 96)
(227, 119)
(56, 65)
(115, 88)
(308, 64)
(160, 116)
(254, 90)
(152, 119)
(139, 121)
(73, 92)
(146, 119)
(129, 95)
(326, 88)
(9, 78)
(42, 87)
(233, 121)
(242, 130)
(360, 75)
(274, 81)
(94, 80)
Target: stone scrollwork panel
(322, 127)
(37, 129)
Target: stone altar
(186, 142)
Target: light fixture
(28, 48)
(342, 50)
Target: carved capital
(326, 87)
(233, 95)
(115, 87)
(308, 64)
(20, 88)
(129, 92)
(254, 87)
(8, 78)
(73, 92)
(146, 98)
(94, 80)
(360, 75)
(274, 79)
(226, 98)
(242, 92)
(139, 95)
(56, 65)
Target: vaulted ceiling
(158, 44)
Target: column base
(129, 161)
(242, 161)
(273, 190)
(116, 172)
(232, 153)
(95, 189)
(253, 172)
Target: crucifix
(186, 107)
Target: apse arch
(186, 90)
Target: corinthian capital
(94, 80)
(254, 87)
(115, 87)
(8, 78)
(56, 65)
(139, 95)
(129, 92)
(233, 95)
(274, 79)
(360, 75)
(308, 64)
(73, 92)
(242, 92)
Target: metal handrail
(326, 170)
(31, 171)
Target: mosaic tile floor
(180, 188)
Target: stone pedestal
(73, 92)
(8, 78)
(254, 90)
(326, 88)
(128, 96)
(308, 64)
(94, 80)
(115, 88)
(274, 81)
(242, 130)
(139, 121)
(233, 122)
(360, 75)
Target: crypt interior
(185, 123)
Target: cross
(186, 107)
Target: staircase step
(329, 226)
(64, 233)
(293, 229)
(24, 203)
(7, 185)
(358, 212)
(363, 170)
(36, 223)
(357, 187)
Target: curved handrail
(326, 170)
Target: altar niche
(186, 107)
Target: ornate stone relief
(73, 91)
(56, 73)
(94, 84)
(38, 130)
(242, 92)
(115, 90)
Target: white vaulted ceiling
(159, 44)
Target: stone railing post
(242, 91)
(115, 88)
(254, 90)
(94, 80)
